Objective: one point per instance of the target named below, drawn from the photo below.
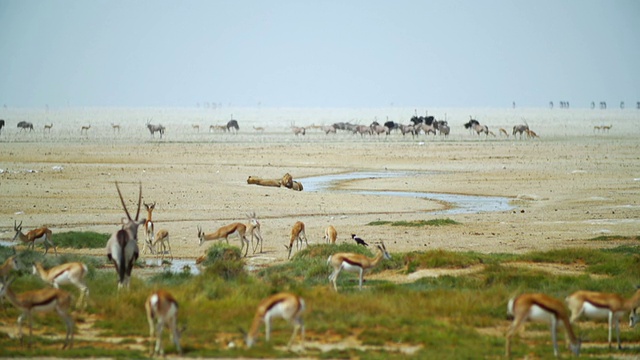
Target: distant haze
(319, 53)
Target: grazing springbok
(606, 128)
(41, 235)
(47, 127)
(149, 229)
(224, 232)
(233, 124)
(122, 247)
(288, 306)
(297, 234)
(153, 129)
(72, 273)
(330, 235)
(24, 125)
(298, 130)
(520, 129)
(162, 237)
(85, 129)
(115, 127)
(352, 262)
(162, 310)
(258, 129)
(43, 300)
(504, 132)
(213, 128)
(598, 305)
(540, 307)
(532, 134)
(196, 127)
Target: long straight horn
(122, 201)
(139, 201)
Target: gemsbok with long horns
(43, 300)
(352, 262)
(598, 305)
(540, 307)
(41, 235)
(224, 232)
(162, 310)
(288, 306)
(72, 273)
(122, 247)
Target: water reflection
(458, 204)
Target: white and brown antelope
(162, 310)
(253, 227)
(258, 129)
(122, 247)
(541, 307)
(115, 127)
(47, 127)
(72, 273)
(598, 305)
(43, 300)
(352, 262)
(224, 232)
(162, 238)
(41, 235)
(85, 129)
(330, 235)
(9, 265)
(149, 229)
(288, 306)
(634, 317)
(297, 234)
(195, 127)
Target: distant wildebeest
(519, 129)
(475, 125)
(155, 128)
(233, 124)
(1, 125)
(23, 125)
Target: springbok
(40, 235)
(330, 235)
(597, 305)
(504, 132)
(224, 232)
(162, 237)
(122, 247)
(72, 273)
(297, 234)
(149, 229)
(162, 310)
(258, 129)
(213, 128)
(352, 262)
(540, 307)
(9, 265)
(288, 306)
(85, 129)
(43, 300)
(253, 227)
(47, 127)
(115, 127)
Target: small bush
(224, 261)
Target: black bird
(358, 240)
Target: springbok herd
(162, 307)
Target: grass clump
(416, 223)
(80, 240)
(224, 261)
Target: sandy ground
(565, 189)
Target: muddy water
(457, 204)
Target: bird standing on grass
(358, 240)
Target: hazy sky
(338, 53)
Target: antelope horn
(122, 201)
(139, 201)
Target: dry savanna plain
(573, 183)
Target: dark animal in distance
(233, 124)
(24, 125)
(1, 125)
(155, 128)
(358, 240)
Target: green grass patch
(416, 223)
(615, 238)
(80, 240)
